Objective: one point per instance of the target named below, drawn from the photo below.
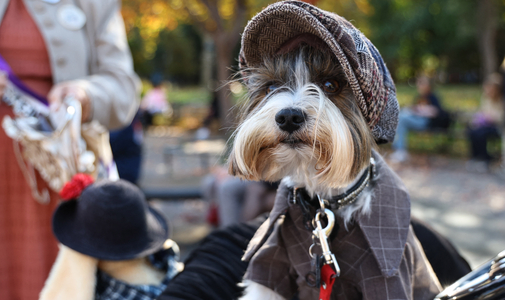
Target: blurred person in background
(423, 115)
(155, 101)
(204, 132)
(233, 200)
(486, 123)
(126, 146)
(57, 49)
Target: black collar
(301, 197)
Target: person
(126, 146)
(56, 48)
(103, 257)
(155, 101)
(486, 123)
(425, 113)
(204, 132)
(233, 200)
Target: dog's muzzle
(290, 119)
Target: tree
(222, 21)
(487, 24)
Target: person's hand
(64, 89)
(3, 83)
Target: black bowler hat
(110, 220)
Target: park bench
(451, 139)
(440, 138)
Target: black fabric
(305, 201)
(442, 120)
(126, 149)
(214, 269)
(445, 260)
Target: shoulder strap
(4, 66)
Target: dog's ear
(234, 170)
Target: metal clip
(322, 203)
(293, 199)
(322, 234)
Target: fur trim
(254, 291)
(73, 276)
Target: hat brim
(73, 234)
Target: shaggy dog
(319, 99)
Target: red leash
(327, 281)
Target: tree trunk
(207, 62)
(223, 55)
(487, 22)
(225, 36)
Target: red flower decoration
(75, 186)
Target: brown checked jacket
(379, 256)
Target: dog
(319, 100)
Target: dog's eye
(331, 86)
(271, 88)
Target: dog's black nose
(290, 119)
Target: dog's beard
(331, 147)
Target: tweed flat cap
(366, 72)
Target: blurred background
(186, 50)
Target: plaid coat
(379, 256)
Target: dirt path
(467, 208)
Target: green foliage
(177, 54)
(425, 35)
(178, 95)
(435, 37)
(190, 95)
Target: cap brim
(270, 29)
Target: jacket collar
(385, 229)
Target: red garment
(27, 245)
(23, 47)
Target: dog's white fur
(304, 165)
(322, 162)
(256, 291)
(73, 275)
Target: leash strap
(328, 276)
(4, 66)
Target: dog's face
(302, 121)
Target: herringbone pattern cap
(366, 72)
